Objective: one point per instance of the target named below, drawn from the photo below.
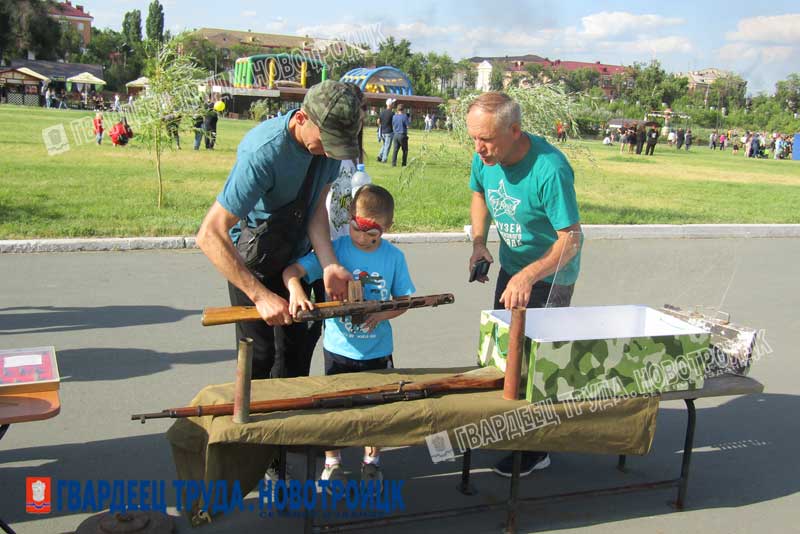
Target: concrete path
(127, 330)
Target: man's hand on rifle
(273, 309)
(336, 278)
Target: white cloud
(776, 29)
(620, 23)
(276, 24)
(737, 52)
(249, 14)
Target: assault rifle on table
(732, 345)
(480, 379)
(327, 310)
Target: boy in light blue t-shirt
(350, 347)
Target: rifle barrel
(401, 391)
(325, 310)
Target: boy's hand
(298, 300)
(372, 320)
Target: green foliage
(787, 93)
(25, 26)
(172, 98)
(70, 43)
(496, 77)
(132, 27)
(262, 109)
(155, 22)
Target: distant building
(73, 16)
(520, 64)
(267, 43)
(704, 78)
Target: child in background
(98, 127)
(350, 347)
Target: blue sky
(763, 47)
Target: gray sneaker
(372, 473)
(334, 472)
(272, 473)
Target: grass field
(95, 190)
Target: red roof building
(75, 16)
(517, 64)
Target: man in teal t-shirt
(526, 186)
(273, 162)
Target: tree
(7, 19)
(70, 43)
(171, 98)
(29, 29)
(155, 22)
(470, 74)
(787, 93)
(132, 27)
(497, 77)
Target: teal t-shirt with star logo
(528, 202)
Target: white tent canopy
(29, 72)
(144, 81)
(86, 77)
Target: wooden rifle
(327, 310)
(480, 379)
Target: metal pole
(244, 372)
(511, 518)
(688, 445)
(464, 486)
(516, 343)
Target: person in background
(120, 133)
(688, 139)
(97, 123)
(48, 98)
(210, 126)
(400, 123)
(652, 140)
(199, 131)
(385, 130)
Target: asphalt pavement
(126, 326)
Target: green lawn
(95, 190)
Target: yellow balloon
(219, 106)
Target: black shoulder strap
(305, 189)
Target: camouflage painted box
(599, 351)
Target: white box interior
(599, 322)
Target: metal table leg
(621, 462)
(3, 525)
(464, 486)
(511, 518)
(688, 445)
(311, 460)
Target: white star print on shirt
(501, 202)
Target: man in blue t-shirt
(400, 123)
(273, 170)
(526, 186)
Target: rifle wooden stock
(325, 310)
(400, 391)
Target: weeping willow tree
(172, 100)
(543, 106)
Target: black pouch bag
(268, 248)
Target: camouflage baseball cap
(335, 107)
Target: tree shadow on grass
(20, 212)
